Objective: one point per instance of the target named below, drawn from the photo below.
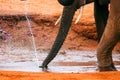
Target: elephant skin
(103, 2)
(68, 13)
(110, 38)
(66, 2)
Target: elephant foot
(44, 68)
(108, 68)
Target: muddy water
(66, 61)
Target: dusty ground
(58, 76)
(43, 14)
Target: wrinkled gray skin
(110, 38)
(68, 13)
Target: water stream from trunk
(31, 32)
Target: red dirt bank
(6, 75)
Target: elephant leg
(108, 41)
(101, 15)
(110, 38)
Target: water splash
(31, 32)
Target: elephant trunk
(66, 19)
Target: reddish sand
(6, 75)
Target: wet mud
(72, 61)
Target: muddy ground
(42, 15)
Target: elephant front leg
(101, 15)
(105, 47)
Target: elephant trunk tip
(44, 68)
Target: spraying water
(32, 36)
